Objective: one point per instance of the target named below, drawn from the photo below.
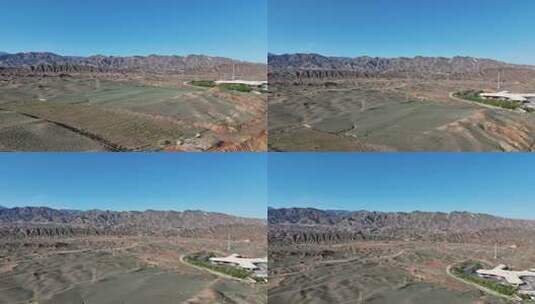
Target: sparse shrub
(240, 87)
(203, 83)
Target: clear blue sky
(390, 28)
(229, 28)
(499, 184)
(233, 183)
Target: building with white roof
(238, 261)
(510, 276)
(247, 82)
(520, 97)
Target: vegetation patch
(330, 84)
(474, 95)
(203, 260)
(467, 272)
(240, 87)
(203, 83)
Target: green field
(203, 83)
(240, 87)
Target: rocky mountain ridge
(313, 225)
(43, 221)
(191, 64)
(315, 66)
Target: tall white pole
(499, 80)
(233, 71)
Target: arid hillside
(322, 103)
(326, 256)
(50, 102)
(54, 256)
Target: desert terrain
(320, 103)
(50, 102)
(69, 256)
(321, 256)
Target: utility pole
(228, 242)
(499, 80)
(495, 251)
(233, 71)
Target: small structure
(502, 272)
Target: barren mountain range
(192, 64)
(314, 66)
(307, 225)
(43, 221)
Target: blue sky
(233, 183)
(499, 184)
(391, 28)
(229, 28)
